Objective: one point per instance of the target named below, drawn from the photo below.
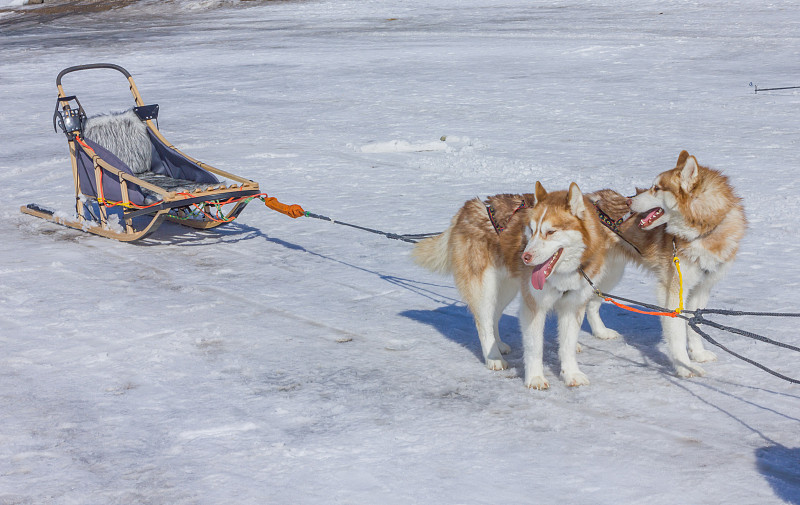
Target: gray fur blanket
(125, 135)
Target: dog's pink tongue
(539, 275)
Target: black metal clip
(71, 120)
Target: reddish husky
(540, 251)
(693, 210)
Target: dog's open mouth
(651, 217)
(541, 272)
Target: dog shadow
(455, 323)
(642, 333)
(452, 320)
(780, 466)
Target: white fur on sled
(125, 135)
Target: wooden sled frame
(137, 221)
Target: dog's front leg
(531, 319)
(675, 335)
(698, 298)
(614, 269)
(599, 329)
(569, 325)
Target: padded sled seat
(137, 151)
(168, 183)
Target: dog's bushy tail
(432, 253)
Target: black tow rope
(412, 238)
(698, 319)
(694, 318)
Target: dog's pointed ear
(539, 193)
(682, 157)
(689, 174)
(575, 201)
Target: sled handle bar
(91, 66)
(136, 96)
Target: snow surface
(295, 361)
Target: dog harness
(605, 219)
(493, 218)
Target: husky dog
(539, 245)
(690, 211)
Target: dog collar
(612, 225)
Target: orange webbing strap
(638, 311)
(610, 298)
(101, 197)
(294, 211)
(85, 145)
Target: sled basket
(129, 178)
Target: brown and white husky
(693, 210)
(536, 244)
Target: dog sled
(129, 179)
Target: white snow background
(294, 361)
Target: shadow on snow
(453, 320)
(779, 465)
(455, 323)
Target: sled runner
(129, 179)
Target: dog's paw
(687, 372)
(496, 364)
(578, 347)
(702, 356)
(575, 379)
(537, 382)
(607, 334)
(504, 348)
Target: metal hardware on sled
(70, 120)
